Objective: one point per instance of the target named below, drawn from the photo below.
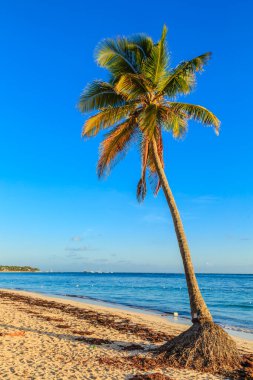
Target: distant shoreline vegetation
(7, 268)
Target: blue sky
(55, 214)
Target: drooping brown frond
(142, 187)
(148, 120)
(115, 145)
(106, 118)
(153, 176)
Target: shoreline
(45, 337)
(234, 331)
(231, 310)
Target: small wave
(236, 328)
(133, 306)
(162, 312)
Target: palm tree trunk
(199, 310)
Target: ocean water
(229, 296)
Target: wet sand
(46, 338)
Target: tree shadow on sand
(78, 336)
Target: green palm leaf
(132, 86)
(142, 43)
(181, 80)
(115, 55)
(99, 94)
(173, 120)
(142, 46)
(197, 113)
(155, 66)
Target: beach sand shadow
(107, 343)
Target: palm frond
(155, 66)
(115, 55)
(141, 189)
(141, 186)
(142, 46)
(141, 42)
(181, 80)
(106, 118)
(174, 84)
(115, 145)
(198, 113)
(179, 126)
(154, 179)
(99, 94)
(132, 86)
(173, 120)
(148, 119)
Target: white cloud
(76, 238)
(84, 248)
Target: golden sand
(50, 338)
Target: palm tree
(138, 104)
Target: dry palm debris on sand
(123, 325)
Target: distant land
(7, 268)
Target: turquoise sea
(229, 296)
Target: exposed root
(246, 370)
(203, 347)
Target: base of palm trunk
(204, 347)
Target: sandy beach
(43, 337)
